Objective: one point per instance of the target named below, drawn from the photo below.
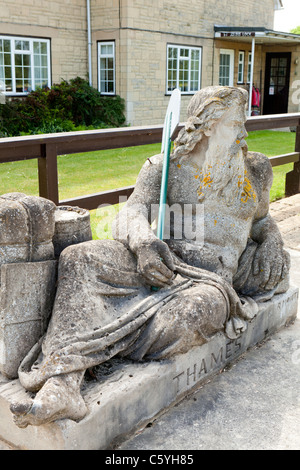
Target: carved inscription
(212, 361)
(287, 303)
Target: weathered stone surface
(210, 280)
(72, 225)
(122, 400)
(26, 301)
(26, 228)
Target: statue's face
(231, 127)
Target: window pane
(110, 75)
(7, 59)
(30, 52)
(26, 60)
(44, 49)
(224, 71)
(110, 63)
(173, 52)
(44, 61)
(5, 66)
(19, 86)
(37, 61)
(109, 49)
(8, 72)
(195, 55)
(36, 47)
(18, 60)
(40, 65)
(185, 72)
(18, 72)
(44, 73)
(103, 87)
(106, 68)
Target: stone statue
(147, 299)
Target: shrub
(60, 109)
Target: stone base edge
(134, 394)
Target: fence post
(47, 170)
(292, 181)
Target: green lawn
(87, 173)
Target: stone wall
(141, 29)
(147, 27)
(63, 22)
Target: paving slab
(286, 212)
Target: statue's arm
(271, 262)
(132, 226)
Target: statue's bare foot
(56, 400)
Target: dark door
(277, 80)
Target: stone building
(142, 49)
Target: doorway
(277, 82)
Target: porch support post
(251, 76)
(292, 179)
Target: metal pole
(251, 76)
(88, 10)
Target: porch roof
(261, 35)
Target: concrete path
(255, 405)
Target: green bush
(62, 108)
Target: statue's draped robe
(104, 307)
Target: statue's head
(207, 107)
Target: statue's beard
(223, 172)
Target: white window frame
(30, 52)
(113, 56)
(188, 59)
(229, 52)
(241, 66)
(249, 67)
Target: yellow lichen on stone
(248, 191)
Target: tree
(296, 30)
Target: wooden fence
(46, 147)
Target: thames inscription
(212, 361)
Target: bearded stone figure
(208, 278)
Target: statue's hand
(155, 263)
(271, 264)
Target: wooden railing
(46, 147)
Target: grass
(273, 143)
(87, 173)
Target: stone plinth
(26, 299)
(132, 394)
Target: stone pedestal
(26, 298)
(126, 396)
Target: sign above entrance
(237, 34)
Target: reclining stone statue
(146, 299)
